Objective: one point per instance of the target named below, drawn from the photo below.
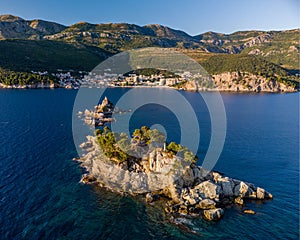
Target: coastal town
(72, 80)
(134, 79)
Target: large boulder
(206, 204)
(241, 189)
(216, 176)
(189, 197)
(260, 193)
(208, 189)
(251, 194)
(227, 186)
(213, 214)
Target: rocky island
(101, 114)
(147, 165)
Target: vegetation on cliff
(256, 65)
(119, 148)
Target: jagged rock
(195, 195)
(241, 189)
(260, 193)
(192, 201)
(216, 176)
(188, 198)
(87, 112)
(208, 189)
(206, 204)
(227, 186)
(172, 192)
(213, 214)
(105, 106)
(239, 201)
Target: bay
(40, 193)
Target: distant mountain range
(42, 45)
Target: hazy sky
(192, 16)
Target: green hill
(256, 65)
(34, 55)
(37, 45)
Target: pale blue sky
(191, 16)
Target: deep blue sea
(41, 197)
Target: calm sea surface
(40, 193)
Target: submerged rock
(213, 214)
(249, 211)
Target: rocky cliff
(248, 82)
(239, 82)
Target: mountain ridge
(219, 42)
(37, 44)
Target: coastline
(40, 86)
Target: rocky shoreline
(194, 192)
(234, 82)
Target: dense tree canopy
(8, 77)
